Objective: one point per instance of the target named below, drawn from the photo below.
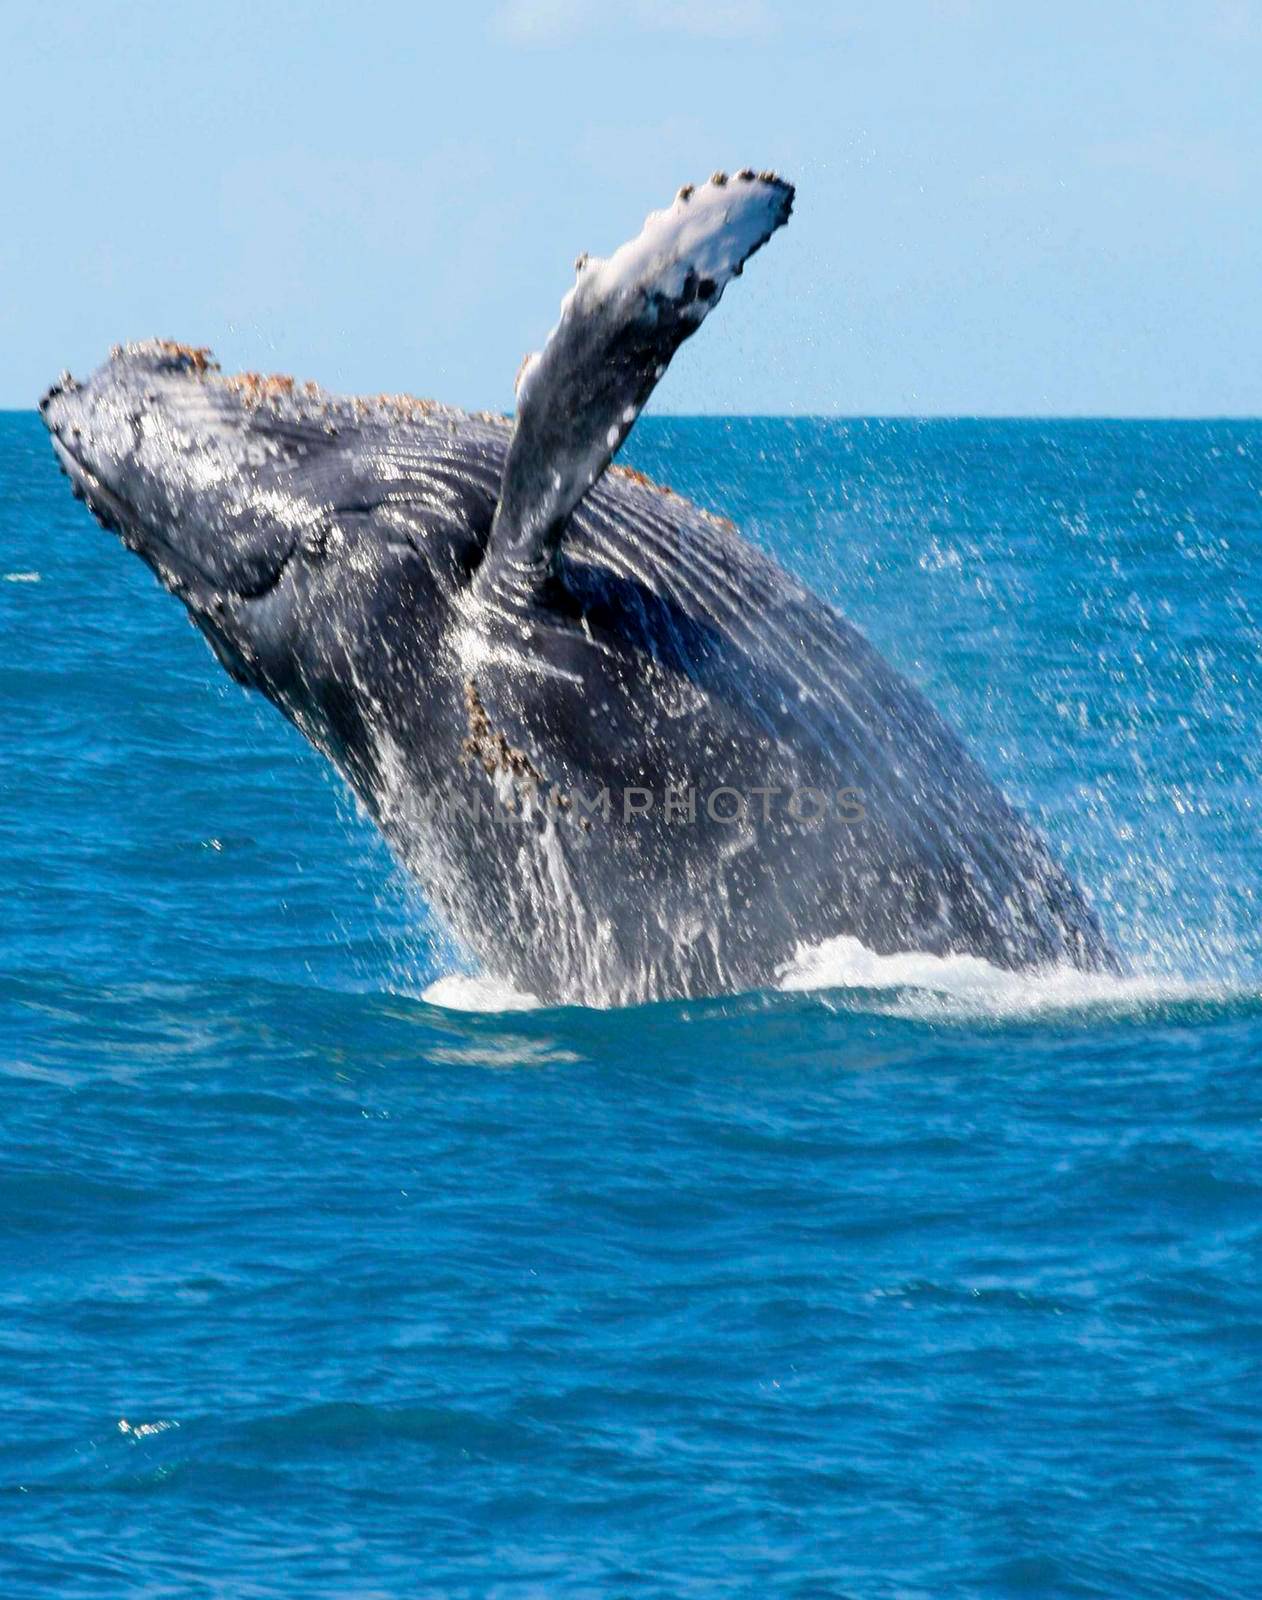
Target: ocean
(332, 1269)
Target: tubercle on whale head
(257, 501)
(184, 484)
(173, 358)
(164, 399)
(163, 468)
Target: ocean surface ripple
(334, 1269)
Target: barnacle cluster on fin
(691, 250)
(487, 746)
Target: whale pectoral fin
(619, 327)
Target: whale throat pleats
(619, 327)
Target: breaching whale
(625, 753)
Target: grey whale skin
(476, 621)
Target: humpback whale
(625, 753)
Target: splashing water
(459, 991)
(920, 985)
(912, 984)
(1081, 600)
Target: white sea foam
(460, 991)
(913, 984)
(916, 984)
(21, 577)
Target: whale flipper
(619, 327)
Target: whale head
(155, 459)
(302, 549)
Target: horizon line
(876, 416)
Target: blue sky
(1002, 207)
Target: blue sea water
(916, 1283)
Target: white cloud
(554, 21)
(713, 19)
(542, 21)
